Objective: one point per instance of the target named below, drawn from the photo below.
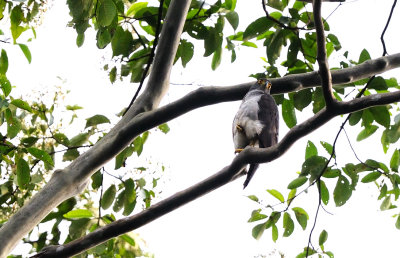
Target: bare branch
(224, 176)
(322, 59)
(151, 58)
(386, 26)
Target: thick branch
(322, 59)
(224, 176)
(72, 179)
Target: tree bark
(72, 180)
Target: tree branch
(324, 72)
(224, 176)
(73, 179)
(386, 26)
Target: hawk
(257, 122)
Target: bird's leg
(238, 150)
(239, 128)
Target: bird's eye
(269, 84)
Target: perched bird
(257, 121)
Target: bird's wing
(247, 119)
(269, 117)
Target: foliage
(33, 137)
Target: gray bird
(257, 121)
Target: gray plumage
(257, 122)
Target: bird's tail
(250, 174)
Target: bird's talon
(238, 150)
(239, 128)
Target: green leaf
(257, 28)
(3, 62)
(386, 203)
(73, 108)
(342, 191)
(61, 138)
(233, 19)
(394, 161)
(378, 83)
(130, 192)
(253, 198)
(398, 222)
(274, 232)
(311, 150)
(13, 127)
(302, 99)
(119, 201)
(364, 56)
(164, 128)
(323, 237)
(103, 38)
(113, 74)
(258, 230)
(128, 239)
(80, 39)
(324, 192)
(367, 132)
(122, 42)
(186, 50)
(256, 215)
(122, 156)
(5, 85)
(108, 197)
(135, 7)
(327, 146)
(275, 45)
(212, 42)
(355, 118)
(26, 52)
(277, 4)
(95, 120)
(288, 225)
(291, 196)
(371, 177)
(249, 44)
(97, 179)
(129, 207)
(381, 115)
(78, 214)
(106, 12)
(276, 194)
(314, 166)
(288, 113)
(79, 139)
(41, 154)
(23, 173)
(301, 216)
(70, 155)
(21, 104)
(29, 141)
(216, 60)
(297, 182)
(331, 173)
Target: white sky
(200, 143)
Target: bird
(256, 123)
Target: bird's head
(262, 84)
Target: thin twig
(386, 26)
(139, 37)
(150, 61)
(282, 25)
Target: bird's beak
(269, 85)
